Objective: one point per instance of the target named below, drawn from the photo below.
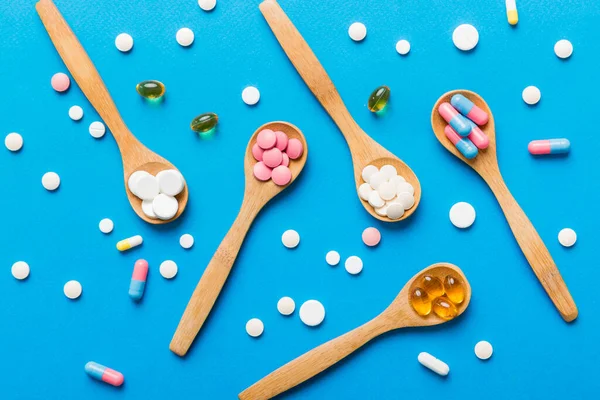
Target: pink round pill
(261, 171)
(257, 152)
(371, 236)
(294, 149)
(272, 157)
(285, 159)
(266, 139)
(282, 175)
(60, 82)
(282, 140)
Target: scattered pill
(106, 225)
(104, 374)
(255, 327)
(403, 47)
(75, 113)
(207, 5)
(368, 172)
(97, 129)
(51, 181)
(458, 122)
(170, 182)
(567, 237)
(138, 279)
(549, 146)
(250, 95)
(332, 257)
(60, 82)
(165, 207)
(261, 171)
(151, 89)
(186, 241)
(379, 99)
(205, 123)
(462, 215)
(72, 289)
(364, 190)
(464, 145)
(124, 42)
(511, 12)
(483, 350)
(531, 95)
(371, 236)
(467, 108)
(290, 238)
(168, 269)
(13, 141)
(437, 366)
(353, 265)
(312, 312)
(477, 137)
(286, 305)
(20, 270)
(281, 175)
(148, 210)
(394, 211)
(357, 31)
(563, 48)
(465, 37)
(294, 149)
(129, 243)
(185, 37)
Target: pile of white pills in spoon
(157, 192)
(386, 191)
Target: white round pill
(75, 113)
(388, 171)
(186, 241)
(364, 190)
(146, 187)
(147, 209)
(462, 215)
(405, 187)
(165, 207)
(368, 171)
(332, 257)
(394, 211)
(286, 305)
(375, 200)
(51, 181)
(13, 141)
(531, 95)
(133, 179)
(20, 270)
(397, 180)
(168, 269)
(255, 327)
(170, 182)
(465, 37)
(483, 350)
(403, 47)
(353, 265)
(312, 312)
(106, 225)
(563, 48)
(250, 95)
(97, 129)
(387, 191)
(357, 31)
(290, 238)
(124, 42)
(207, 5)
(185, 37)
(406, 199)
(377, 179)
(382, 211)
(72, 289)
(567, 237)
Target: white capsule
(437, 366)
(129, 243)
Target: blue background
(45, 339)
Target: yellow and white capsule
(511, 12)
(129, 243)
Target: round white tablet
(567, 237)
(405, 187)
(148, 210)
(377, 179)
(97, 129)
(185, 37)
(186, 241)
(312, 312)
(563, 48)
(75, 113)
(124, 42)
(51, 181)
(132, 181)
(364, 190)
(170, 182)
(207, 5)
(146, 187)
(72, 289)
(286, 305)
(394, 211)
(375, 200)
(168, 269)
(531, 95)
(353, 265)
(250, 95)
(465, 37)
(332, 257)
(462, 215)
(357, 31)
(255, 327)
(368, 171)
(382, 211)
(397, 180)
(20, 270)
(13, 141)
(290, 238)
(165, 207)
(106, 225)
(387, 191)
(406, 199)
(388, 171)
(403, 47)
(483, 350)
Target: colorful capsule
(420, 302)
(549, 146)
(138, 279)
(444, 308)
(101, 373)
(478, 138)
(464, 145)
(152, 90)
(454, 289)
(204, 123)
(129, 243)
(467, 108)
(379, 99)
(459, 123)
(511, 12)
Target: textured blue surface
(46, 339)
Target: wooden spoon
(399, 314)
(364, 150)
(486, 165)
(136, 157)
(256, 195)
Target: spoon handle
(535, 251)
(315, 361)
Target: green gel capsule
(152, 90)
(204, 123)
(379, 99)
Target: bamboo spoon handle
(535, 251)
(313, 362)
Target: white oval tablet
(146, 187)
(403, 47)
(51, 181)
(375, 200)
(357, 31)
(332, 257)
(394, 210)
(290, 238)
(170, 182)
(20, 270)
(13, 141)
(97, 129)
(387, 191)
(186, 241)
(405, 187)
(567, 237)
(147, 209)
(368, 171)
(437, 366)
(465, 37)
(483, 350)
(531, 95)
(563, 49)
(207, 5)
(255, 327)
(250, 95)
(364, 190)
(106, 225)
(353, 265)
(388, 171)
(406, 199)
(286, 305)
(132, 181)
(124, 42)
(462, 215)
(168, 269)
(312, 312)
(75, 113)
(185, 37)
(165, 207)
(377, 179)
(72, 289)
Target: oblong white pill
(186, 241)
(20, 270)
(368, 171)
(563, 48)
(332, 257)
(168, 269)
(364, 190)
(388, 171)
(72, 289)
(13, 141)
(462, 215)
(255, 327)
(465, 37)
(375, 200)
(286, 305)
(124, 42)
(97, 129)
(353, 265)
(531, 95)
(290, 238)
(357, 31)
(147, 209)
(146, 187)
(434, 364)
(483, 350)
(312, 312)
(387, 191)
(106, 225)
(75, 113)
(567, 237)
(170, 182)
(51, 181)
(250, 95)
(165, 207)
(185, 37)
(403, 47)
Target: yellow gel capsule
(454, 289)
(152, 90)
(379, 99)
(420, 302)
(444, 308)
(433, 286)
(129, 243)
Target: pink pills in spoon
(273, 151)
(266, 139)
